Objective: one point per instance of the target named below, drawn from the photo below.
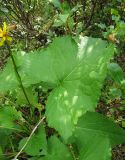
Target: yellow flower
(4, 34)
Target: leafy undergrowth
(113, 107)
(70, 79)
(62, 93)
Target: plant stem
(17, 74)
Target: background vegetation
(37, 23)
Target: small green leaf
(115, 93)
(56, 3)
(116, 72)
(61, 20)
(123, 84)
(8, 116)
(123, 123)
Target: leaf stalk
(17, 73)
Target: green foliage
(62, 81)
(8, 78)
(93, 124)
(75, 93)
(115, 72)
(116, 75)
(57, 150)
(94, 135)
(56, 3)
(75, 74)
(8, 115)
(37, 144)
(96, 148)
(21, 100)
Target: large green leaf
(79, 88)
(75, 74)
(94, 124)
(57, 150)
